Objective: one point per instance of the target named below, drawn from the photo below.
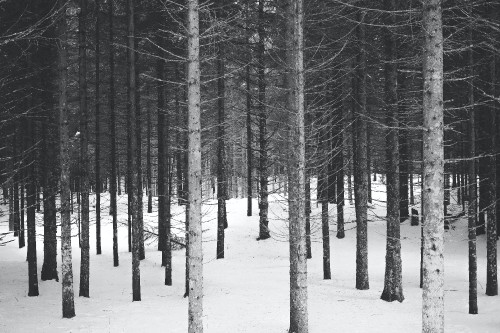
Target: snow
(248, 290)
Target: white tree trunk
(298, 250)
(433, 157)
(195, 260)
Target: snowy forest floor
(248, 290)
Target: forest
(249, 165)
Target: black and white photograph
(253, 166)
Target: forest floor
(248, 290)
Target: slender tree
(263, 140)
(97, 129)
(84, 173)
(195, 258)
(296, 198)
(471, 169)
(360, 156)
(433, 159)
(393, 289)
(133, 191)
(221, 163)
(112, 137)
(68, 305)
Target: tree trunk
(433, 157)
(491, 230)
(263, 160)
(84, 190)
(195, 259)
(30, 221)
(249, 122)
(148, 162)
(68, 305)
(222, 186)
(393, 287)
(112, 137)
(472, 209)
(297, 171)
(132, 152)
(97, 134)
(360, 163)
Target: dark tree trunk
(84, 174)
(68, 305)
(148, 162)
(222, 185)
(325, 230)
(132, 152)
(263, 144)
(249, 128)
(393, 288)
(97, 132)
(30, 221)
(491, 231)
(472, 209)
(112, 137)
(360, 163)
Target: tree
(472, 176)
(195, 259)
(360, 158)
(221, 154)
(393, 289)
(296, 198)
(112, 137)
(97, 130)
(263, 140)
(84, 174)
(433, 179)
(68, 306)
(133, 185)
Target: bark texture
(433, 177)
(195, 259)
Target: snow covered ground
(248, 290)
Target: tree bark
(263, 144)
(472, 209)
(84, 174)
(360, 164)
(112, 137)
(393, 287)
(31, 221)
(133, 180)
(433, 158)
(195, 259)
(296, 197)
(97, 135)
(68, 306)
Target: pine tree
(433, 179)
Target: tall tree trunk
(112, 137)
(297, 170)
(393, 288)
(263, 160)
(195, 259)
(138, 155)
(84, 189)
(222, 185)
(472, 209)
(148, 161)
(360, 163)
(249, 121)
(97, 135)
(30, 221)
(491, 231)
(433, 158)
(49, 267)
(134, 176)
(68, 305)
